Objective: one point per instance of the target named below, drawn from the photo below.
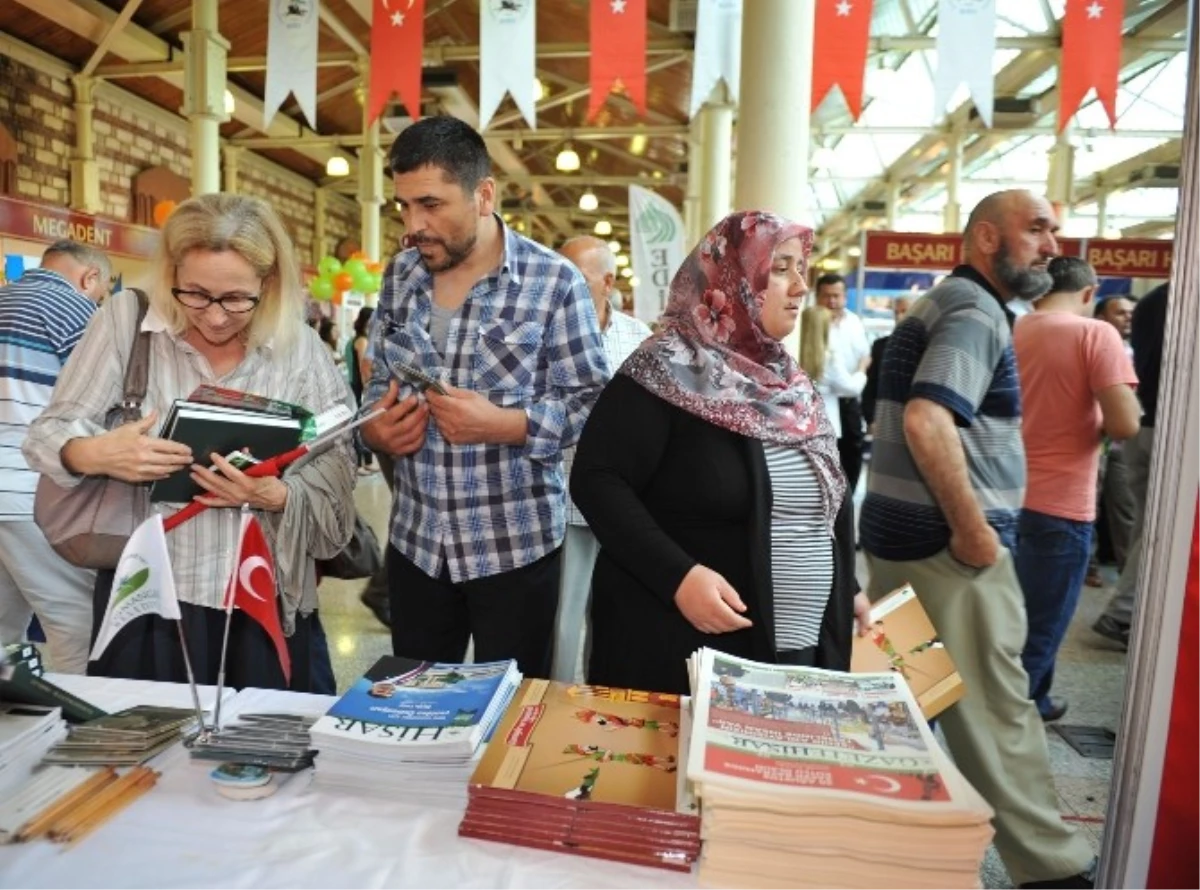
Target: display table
(183, 834)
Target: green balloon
(362, 279)
(376, 282)
(329, 266)
(355, 267)
(321, 288)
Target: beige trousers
(994, 732)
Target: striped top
(42, 317)
(801, 548)
(954, 348)
(318, 518)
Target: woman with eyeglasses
(226, 308)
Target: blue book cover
(404, 692)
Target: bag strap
(137, 370)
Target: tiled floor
(1090, 675)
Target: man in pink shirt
(1076, 384)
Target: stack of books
(412, 727)
(812, 778)
(588, 770)
(126, 738)
(275, 741)
(227, 422)
(27, 733)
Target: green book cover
(19, 684)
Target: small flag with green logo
(143, 583)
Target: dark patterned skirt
(148, 648)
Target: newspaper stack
(414, 727)
(591, 771)
(811, 778)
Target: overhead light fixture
(614, 246)
(539, 90)
(854, 251)
(634, 281)
(603, 228)
(588, 201)
(567, 160)
(830, 263)
(337, 166)
(230, 104)
(622, 259)
(656, 174)
(627, 272)
(637, 145)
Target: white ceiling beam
(114, 29)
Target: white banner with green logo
(658, 244)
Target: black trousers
(850, 445)
(509, 615)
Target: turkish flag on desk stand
(840, 41)
(618, 51)
(1091, 56)
(397, 50)
(252, 588)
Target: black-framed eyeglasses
(234, 304)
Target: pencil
(141, 784)
(97, 803)
(40, 824)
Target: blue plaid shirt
(526, 337)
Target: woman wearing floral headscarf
(710, 476)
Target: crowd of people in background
(711, 475)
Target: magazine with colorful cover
(409, 703)
(902, 639)
(805, 735)
(589, 747)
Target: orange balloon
(374, 268)
(343, 281)
(358, 255)
(162, 210)
(336, 299)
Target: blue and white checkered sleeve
(575, 373)
(388, 294)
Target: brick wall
(342, 221)
(126, 144)
(36, 109)
(293, 201)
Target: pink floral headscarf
(713, 359)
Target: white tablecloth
(183, 834)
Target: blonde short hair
(814, 341)
(251, 228)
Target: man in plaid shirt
(622, 334)
(507, 329)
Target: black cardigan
(664, 490)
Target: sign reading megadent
(1115, 258)
(38, 222)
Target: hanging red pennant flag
(1091, 56)
(397, 50)
(840, 41)
(618, 51)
